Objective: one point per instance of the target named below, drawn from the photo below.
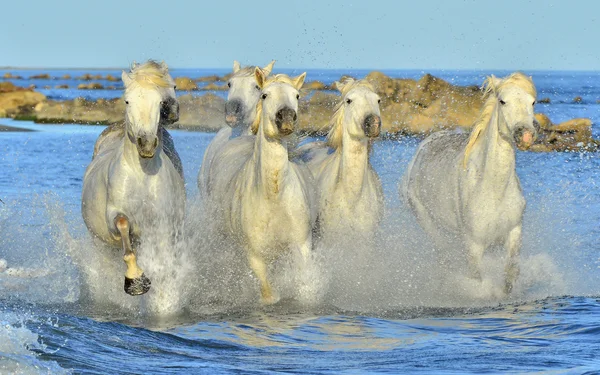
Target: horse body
(465, 186)
(240, 113)
(134, 185)
(349, 189)
(265, 200)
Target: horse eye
(126, 102)
(502, 101)
(174, 87)
(297, 96)
(348, 101)
(378, 100)
(533, 103)
(229, 84)
(264, 96)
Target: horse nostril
(140, 142)
(155, 142)
(295, 116)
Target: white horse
(264, 199)
(350, 192)
(134, 185)
(240, 113)
(466, 187)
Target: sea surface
(382, 307)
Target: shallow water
(382, 308)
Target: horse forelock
(492, 88)
(334, 137)
(151, 75)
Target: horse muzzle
(372, 126)
(233, 112)
(169, 111)
(146, 146)
(285, 119)
(525, 137)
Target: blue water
(389, 314)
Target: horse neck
(271, 163)
(495, 155)
(354, 163)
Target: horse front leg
(136, 283)
(259, 267)
(309, 281)
(475, 255)
(513, 248)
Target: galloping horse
(466, 186)
(240, 113)
(350, 192)
(134, 185)
(263, 199)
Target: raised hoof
(137, 286)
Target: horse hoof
(137, 286)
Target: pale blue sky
(421, 34)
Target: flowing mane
(281, 78)
(492, 86)
(334, 137)
(151, 74)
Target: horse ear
(164, 67)
(236, 66)
(125, 78)
(134, 65)
(491, 83)
(260, 77)
(339, 85)
(299, 81)
(269, 68)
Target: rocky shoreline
(408, 107)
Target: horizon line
(303, 68)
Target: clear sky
(421, 34)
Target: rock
(47, 87)
(213, 78)
(40, 76)
(66, 76)
(18, 101)
(8, 87)
(97, 77)
(578, 99)
(11, 76)
(544, 101)
(543, 121)
(315, 111)
(202, 112)
(90, 86)
(213, 87)
(85, 77)
(571, 135)
(111, 78)
(314, 85)
(185, 84)
(82, 111)
(61, 87)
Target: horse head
(150, 101)
(278, 104)
(243, 95)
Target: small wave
(20, 348)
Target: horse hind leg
(136, 283)
(258, 266)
